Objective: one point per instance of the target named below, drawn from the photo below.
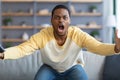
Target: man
(60, 46)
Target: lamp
(111, 22)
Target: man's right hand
(1, 56)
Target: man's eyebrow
(59, 15)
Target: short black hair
(61, 6)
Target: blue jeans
(48, 73)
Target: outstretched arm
(21, 50)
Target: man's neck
(60, 39)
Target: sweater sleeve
(93, 45)
(23, 49)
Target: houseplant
(95, 34)
(93, 8)
(7, 21)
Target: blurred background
(19, 19)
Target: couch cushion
(20, 69)
(112, 68)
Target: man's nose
(61, 20)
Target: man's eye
(65, 17)
(57, 17)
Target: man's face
(60, 21)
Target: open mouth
(61, 27)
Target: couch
(25, 68)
